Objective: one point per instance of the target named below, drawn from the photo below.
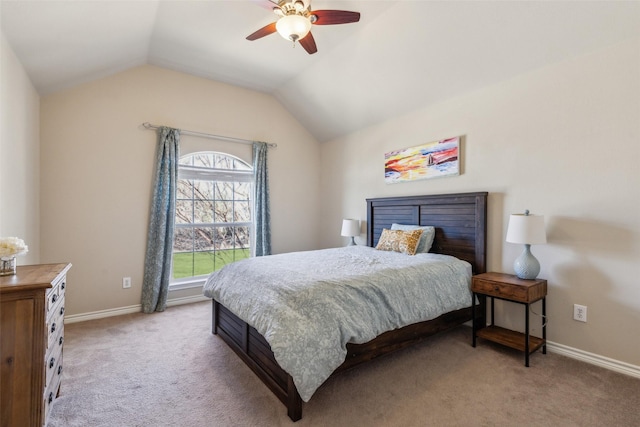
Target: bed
(460, 232)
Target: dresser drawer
(52, 298)
(55, 325)
(55, 307)
(56, 339)
(56, 294)
(53, 365)
(50, 394)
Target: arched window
(213, 214)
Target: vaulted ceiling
(402, 55)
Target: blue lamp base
(526, 265)
(352, 242)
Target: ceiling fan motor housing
(295, 21)
(291, 8)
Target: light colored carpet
(167, 369)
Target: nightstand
(510, 288)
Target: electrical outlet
(580, 312)
(126, 282)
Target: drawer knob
(54, 298)
(59, 369)
(53, 328)
(50, 399)
(61, 310)
(63, 285)
(52, 362)
(496, 288)
(61, 340)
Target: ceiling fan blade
(332, 17)
(309, 43)
(265, 4)
(264, 31)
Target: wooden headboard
(460, 221)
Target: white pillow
(426, 240)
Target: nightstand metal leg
(473, 318)
(526, 337)
(492, 311)
(544, 325)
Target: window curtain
(261, 200)
(157, 263)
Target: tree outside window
(213, 213)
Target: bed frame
(461, 223)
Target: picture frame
(431, 160)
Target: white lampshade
(293, 27)
(526, 229)
(350, 228)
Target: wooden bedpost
(294, 402)
(214, 317)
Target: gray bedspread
(309, 305)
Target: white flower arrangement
(12, 246)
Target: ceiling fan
(295, 20)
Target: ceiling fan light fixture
(293, 27)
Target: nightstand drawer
(500, 290)
(509, 287)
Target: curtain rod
(148, 125)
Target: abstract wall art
(432, 160)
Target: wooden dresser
(31, 341)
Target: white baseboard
(187, 300)
(595, 359)
(101, 314)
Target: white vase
(7, 265)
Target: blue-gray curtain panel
(261, 200)
(157, 263)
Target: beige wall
(97, 163)
(563, 142)
(19, 155)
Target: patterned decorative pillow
(405, 242)
(426, 240)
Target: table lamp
(528, 230)
(351, 228)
